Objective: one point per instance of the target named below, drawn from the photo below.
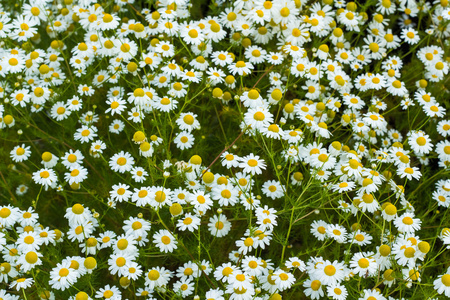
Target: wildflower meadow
(224, 149)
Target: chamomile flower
(20, 153)
(77, 214)
(188, 222)
(337, 292)
(45, 177)
(330, 272)
(184, 286)
(29, 260)
(252, 164)
(121, 162)
(165, 241)
(85, 134)
(221, 58)
(343, 186)
(363, 264)
(188, 121)
(23, 28)
(116, 106)
(410, 36)
(63, 276)
(258, 117)
(166, 49)
(442, 284)
(407, 223)
(219, 226)
(184, 140)
(230, 160)
(420, 142)
(409, 172)
(240, 68)
(372, 294)
(21, 283)
(273, 189)
(109, 292)
(337, 232)
(313, 288)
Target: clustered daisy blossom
(267, 150)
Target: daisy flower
(221, 58)
(166, 49)
(59, 111)
(226, 194)
(188, 270)
(165, 104)
(4, 31)
(389, 212)
(117, 126)
(273, 131)
(133, 271)
(124, 244)
(434, 110)
(20, 97)
(255, 54)
(106, 239)
(252, 99)
(118, 263)
(23, 28)
(360, 238)
(215, 76)
(139, 174)
(295, 262)
(200, 200)
(396, 87)
(192, 34)
(120, 192)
